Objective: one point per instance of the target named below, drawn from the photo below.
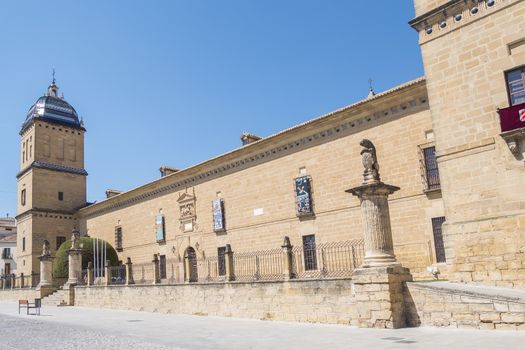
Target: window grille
(221, 260)
(60, 240)
(162, 266)
(439, 246)
(310, 253)
(430, 171)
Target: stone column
(379, 247)
(228, 259)
(129, 272)
(107, 273)
(287, 258)
(187, 269)
(22, 282)
(75, 266)
(156, 269)
(13, 281)
(379, 285)
(90, 275)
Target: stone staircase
(57, 298)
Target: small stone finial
(286, 242)
(46, 251)
(53, 82)
(371, 173)
(52, 89)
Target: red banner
(512, 118)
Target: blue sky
(176, 82)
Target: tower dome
(52, 108)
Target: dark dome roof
(54, 109)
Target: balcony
(7, 256)
(512, 121)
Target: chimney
(166, 170)
(112, 193)
(247, 138)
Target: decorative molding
(53, 167)
(454, 14)
(513, 139)
(409, 105)
(187, 215)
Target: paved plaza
(83, 328)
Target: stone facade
(259, 201)
(465, 62)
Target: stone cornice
(453, 15)
(44, 211)
(53, 167)
(390, 105)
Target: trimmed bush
(61, 262)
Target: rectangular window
(118, 238)
(23, 244)
(437, 224)
(7, 268)
(162, 266)
(221, 260)
(516, 86)
(431, 168)
(6, 253)
(310, 253)
(23, 197)
(60, 196)
(60, 240)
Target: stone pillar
(228, 259)
(13, 281)
(46, 272)
(156, 269)
(129, 272)
(107, 273)
(90, 275)
(75, 266)
(22, 282)
(379, 247)
(379, 285)
(287, 259)
(187, 269)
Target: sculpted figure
(75, 240)
(45, 248)
(370, 164)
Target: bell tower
(51, 180)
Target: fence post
(287, 259)
(90, 274)
(22, 280)
(156, 269)
(1, 282)
(13, 281)
(228, 257)
(129, 272)
(107, 272)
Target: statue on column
(46, 251)
(371, 173)
(75, 240)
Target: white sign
(258, 211)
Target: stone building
(439, 138)
(7, 245)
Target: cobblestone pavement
(83, 328)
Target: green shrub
(61, 262)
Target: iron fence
(327, 260)
(117, 274)
(143, 273)
(208, 270)
(174, 271)
(264, 265)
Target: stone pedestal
(156, 269)
(380, 293)
(45, 286)
(129, 272)
(287, 259)
(379, 247)
(228, 259)
(75, 267)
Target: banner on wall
(303, 196)
(159, 228)
(218, 215)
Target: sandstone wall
(17, 294)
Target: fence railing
(10, 281)
(261, 265)
(313, 261)
(327, 260)
(144, 273)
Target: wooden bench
(27, 305)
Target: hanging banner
(159, 228)
(303, 196)
(218, 215)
